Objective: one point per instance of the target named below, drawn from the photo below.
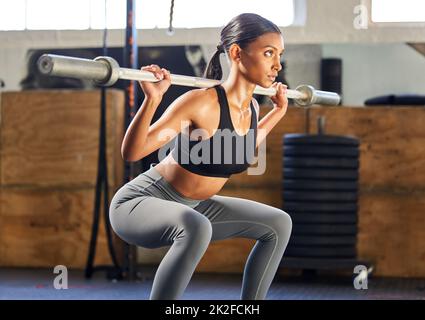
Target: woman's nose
(278, 65)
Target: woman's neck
(238, 90)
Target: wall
(48, 166)
(391, 186)
(375, 59)
(391, 193)
(47, 180)
(371, 70)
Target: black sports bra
(223, 154)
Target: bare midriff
(189, 184)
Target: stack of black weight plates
(320, 194)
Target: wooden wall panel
(391, 232)
(42, 228)
(392, 142)
(392, 187)
(226, 256)
(48, 167)
(50, 138)
(392, 183)
(48, 157)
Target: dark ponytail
(242, 30)
(214, 70)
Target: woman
(174, 203)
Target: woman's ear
(235, 52)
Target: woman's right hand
(156, 89)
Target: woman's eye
(269, 53)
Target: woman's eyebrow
(273, 48)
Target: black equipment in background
(331, 75)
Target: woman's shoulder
(202, 104)
(196, 103)
(200, 99)
(202, 94)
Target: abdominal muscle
(190, 185)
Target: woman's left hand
(280, 100)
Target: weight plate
(328, 218)
(296, 139)
(315, 162)
(291, 206)
(324, 229)
(320, 196)
(306, 184)
(321, 151)
(345, 252)
(323, 241)
(331, 174)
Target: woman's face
(260, 60)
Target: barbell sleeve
(106, 71)
(62, 66)
(317, 96)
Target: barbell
(106, 71)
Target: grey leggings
(149, 212)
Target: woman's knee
(282, 223)
(196, 227)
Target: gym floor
(37, 284)
(350, 170)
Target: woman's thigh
(152, 222)
(237, 217)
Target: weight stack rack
(320, 192)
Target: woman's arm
(137, 131)
(269, 121)
(141, 139)
(136, 135)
